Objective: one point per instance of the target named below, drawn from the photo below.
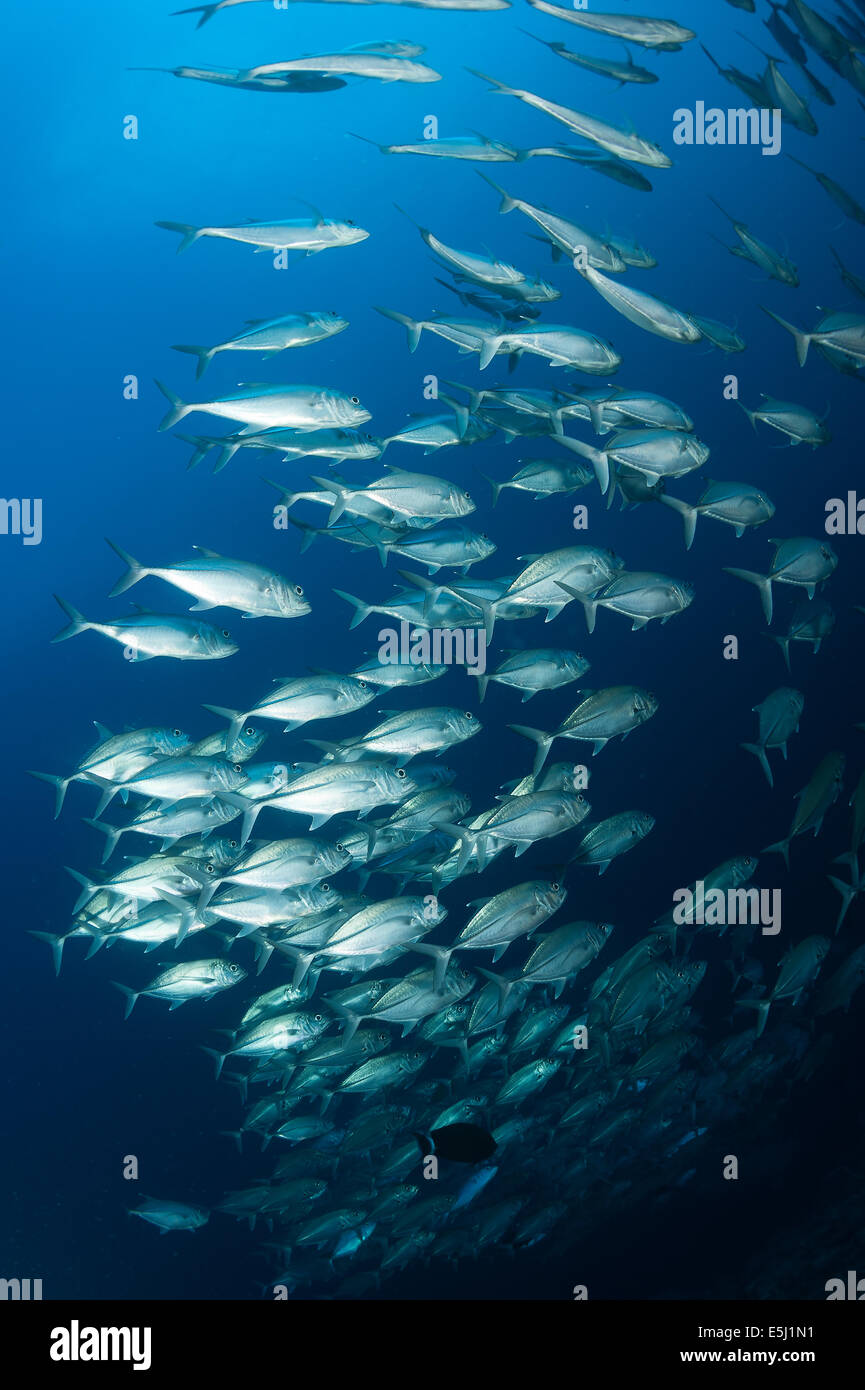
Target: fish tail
(596, 457)
(201, 447)
(544, 742)
(688, 514)
(784, 644)
(508, 203)
(112, 835)
(77, 622)
(56, 944)
(590, 605)
(760, 754)
(802, 340)
(177, 412)
(762, 1006)
(361, 610)
(761, 582)
(352, 1020)
(483, 682)
(412, 328)
(134, 571)
(204, 355)
(129, 995)
(385, 149)
(308, 532)
(499, 87)
(751, 414)
(88, 888)
(484, 607)
(59, 783)
(188, 233)
(206, 11)
(235, 719)
(460, 411)
(331, 485)
(226, 454)
(780, 847)
(495, 487)
(219, 1058)
(848, 892)
(501, 982)
(441, 954)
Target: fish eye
(469, 714)
(325, 887)
(250, 732)
(178, 733)
(298, 589)
(363, 685)
(555, 887)
(209, 869)
(237, 767)
(400, 772)
(355, 400)
(382, 1037)
(349, 222)
(318, 1018)
(225, 632)
(234, 969)
(340, 847)
(232, 844)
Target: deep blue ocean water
(95, 292)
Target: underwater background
(95, 292)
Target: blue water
(96, 292)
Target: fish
(148, 635)
(565, 237)
(310, 235)
(600, 716)
(801, 561)
(799, 968)
(619, 72)
(170, 1216)
(478, 148)
(383, 67)
(839, 195)
(217, 582)
(740, 505)
(751, 248)
(779, 715)
(301, 408)
(663, 35)
(533, 670)
(611, 838)
(639, 595)
(799, 423)
(645, 310)
(199, 979)
(270, 337)
(622, 144)
(814, 800)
